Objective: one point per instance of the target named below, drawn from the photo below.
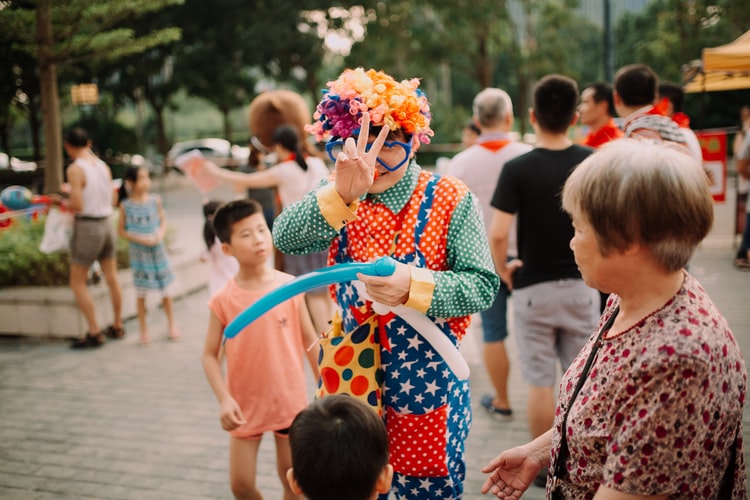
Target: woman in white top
(294, 176)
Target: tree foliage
(460, 47)
(671, 33)
(72, 32)
(231, 49)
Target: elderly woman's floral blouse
(661, 408)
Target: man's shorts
(494, 319)
(93, 239)
(552, 321)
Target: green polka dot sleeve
(301, 228)
(471, 284)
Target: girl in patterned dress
(143, 224)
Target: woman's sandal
(114, 332)
(174, 334)
(87, 341)
(143, 339)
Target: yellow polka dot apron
(426, 408)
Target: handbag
(350, 363)
(58, 229)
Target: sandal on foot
(143, 339)
(114, 332)
(742, 264)
(498, 413)
(87, 341)
(174, 334)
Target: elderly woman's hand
(355, 166)
(511, 473)
(390, 290)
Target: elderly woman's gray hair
(632, 192)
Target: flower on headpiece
(399, 105)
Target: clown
(381, 203)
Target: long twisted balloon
(384, 266)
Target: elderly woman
(652, 406)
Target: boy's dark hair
(675, 94)
(555, 103)
(339, 448)
(231, 212)
(603, 92)
(636, 84)
(209, 236)
(77, 137)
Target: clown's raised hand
(355, 165)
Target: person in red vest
(597, 111)
(672, 98)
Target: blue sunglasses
(333, 148)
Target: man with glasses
(381, 203)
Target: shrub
(22, 264)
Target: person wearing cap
(381, 203)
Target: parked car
(220, 151)
(15, 164)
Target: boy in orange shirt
(265, 386)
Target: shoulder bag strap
(563, 454)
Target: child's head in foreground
(243, 232)
(339, 450)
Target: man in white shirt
(479, 167)
(94, 237)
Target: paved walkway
(128, 422)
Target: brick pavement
(128, 422)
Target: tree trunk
(50, 99)
(161, 134)
(35, 126)
(5, 135)
(523, 102)
(227, 125)
(484, 69)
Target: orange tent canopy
(733, 56)
(726, 67)
(716, 81)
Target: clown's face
(397, 150)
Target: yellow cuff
(333, 208)
(421, 289)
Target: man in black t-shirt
(554, 311)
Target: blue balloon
(384, 266)
(16, 197)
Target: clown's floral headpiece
(399, 105)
